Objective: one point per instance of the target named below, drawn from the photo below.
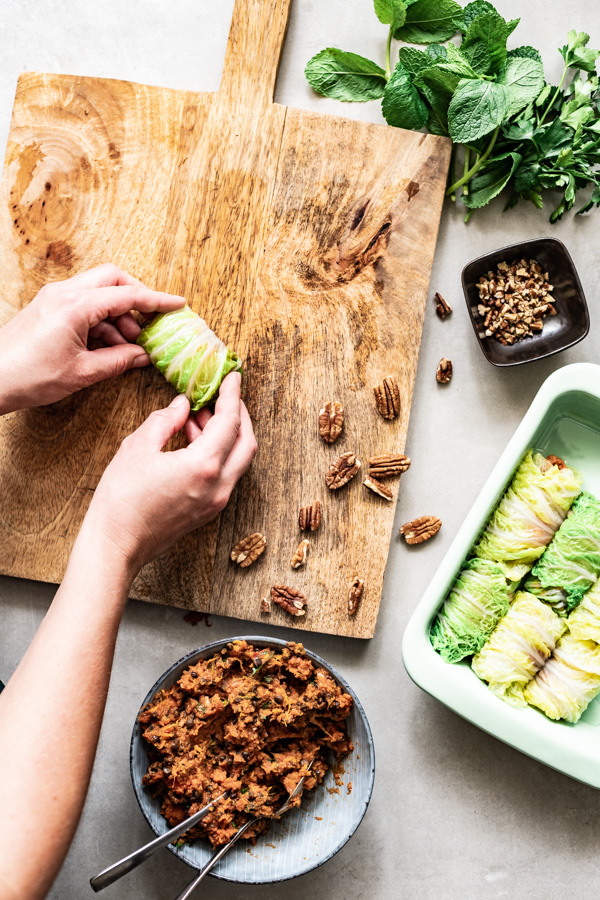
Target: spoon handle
(133, 860)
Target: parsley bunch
(509, 127)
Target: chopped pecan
(387, 397)
(344, 468)
(444, 371)
(309, 517)
(265, 605)
(388, 464)
(442, 308)
(249, 549)
(331, 421)
(378, 488)
(421, 529)
(289, 599)
(299, 557)
(355, 595)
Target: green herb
(511, 129)
(244, 790)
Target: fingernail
(179, 401)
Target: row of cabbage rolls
(526, 604)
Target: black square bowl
(569, 326)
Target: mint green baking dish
(564, 419)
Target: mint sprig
(511, 130)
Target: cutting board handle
(253, 50)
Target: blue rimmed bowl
(306, 837)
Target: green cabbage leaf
(478, 598)
(528, 515)
(571, 564)
(569, 681)
(584, 621)
(189, 355)
(519, 646)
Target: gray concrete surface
(455, 813)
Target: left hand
(44, 355)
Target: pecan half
(331, 421)
(442, 308)
(388, 464)
(309, 517)
(344, 468)
(289, 599)
(421, 529)
(355, 595)
(387, 397)
(299, 557)
(265, 605)
(444, 371)
(249, 549)
(378, 488)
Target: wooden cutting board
(306, 242)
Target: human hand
(147, 499)
(43, 350)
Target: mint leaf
(472, 10)
(576, 54)
(413, 60)
(525, 53)
(402, 104)
(391, 12)
(345, 76)
(524, 79)
(519, 131)
(489, 182)
(484, 45)
(430, 21)
(476, 108)
(444, 77)
(437, 51)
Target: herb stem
(466, 165)
(554, 96)
(476, 166)
(452, 171)
(388, 47)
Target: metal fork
(223, 850)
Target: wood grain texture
(306, 242)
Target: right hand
(147, 499)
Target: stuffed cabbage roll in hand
(530, 512)
(584, 621)
(477, 600)
(571, 564)
(189, 355)
(569, 681)
(518, 647)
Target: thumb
(162, 424)
(107, 362)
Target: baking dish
(564, 419)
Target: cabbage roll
(528, 515)
(569, 681)
(477, 600)
(189, 355)
(518, 647)
(584, 621)
(571, 564)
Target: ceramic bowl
(564, 419)
(571, 323)
(303, 839)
